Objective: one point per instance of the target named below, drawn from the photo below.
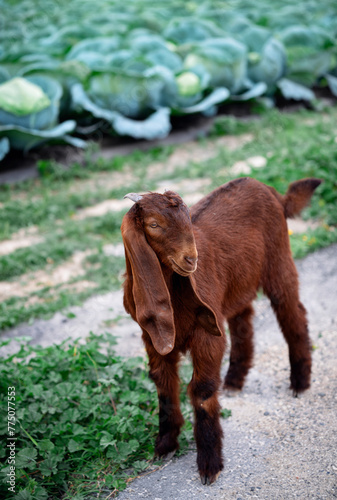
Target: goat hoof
(297, 392)
(299, 386)
(167, 457)
(300, 376)
(165, 445)
(233, 384)
(208, 479)
(230, 391)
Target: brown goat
(187, 271)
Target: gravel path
(276, 446)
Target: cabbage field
(69, 68)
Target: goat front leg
(164, 373)
(203, 389)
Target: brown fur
(237, 237)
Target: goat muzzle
(187, 267)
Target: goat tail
(298, 196)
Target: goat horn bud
(134, 196)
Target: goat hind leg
(242, 349)
(164, 372)
(282, 289)
(291, 316)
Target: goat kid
(187, 271)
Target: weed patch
(86, 419)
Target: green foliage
(225, 413)
(86, 419)
(293, 157)
(121, 69)
(229, 125)
(302, 244)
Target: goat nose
(191, 261)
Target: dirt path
(276, 446)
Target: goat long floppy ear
(154, 311)
(205, 314)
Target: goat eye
(153, 224)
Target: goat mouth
(180, 270)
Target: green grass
(102, 270)
(85, 419)
(53, 197)
(70, 237)
(50, 208)
(293, 150)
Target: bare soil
(22, 239)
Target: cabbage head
(266, 57)
(21, 97)
(189, 84)
(181, 31)
(309, 53)
(132, 95)
(223, 59)
(31, 102)
(29, 110)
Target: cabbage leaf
(296, 91)
(155, 126)
(332, 82)
(26, 139)
(206, 105)
(4, 147)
